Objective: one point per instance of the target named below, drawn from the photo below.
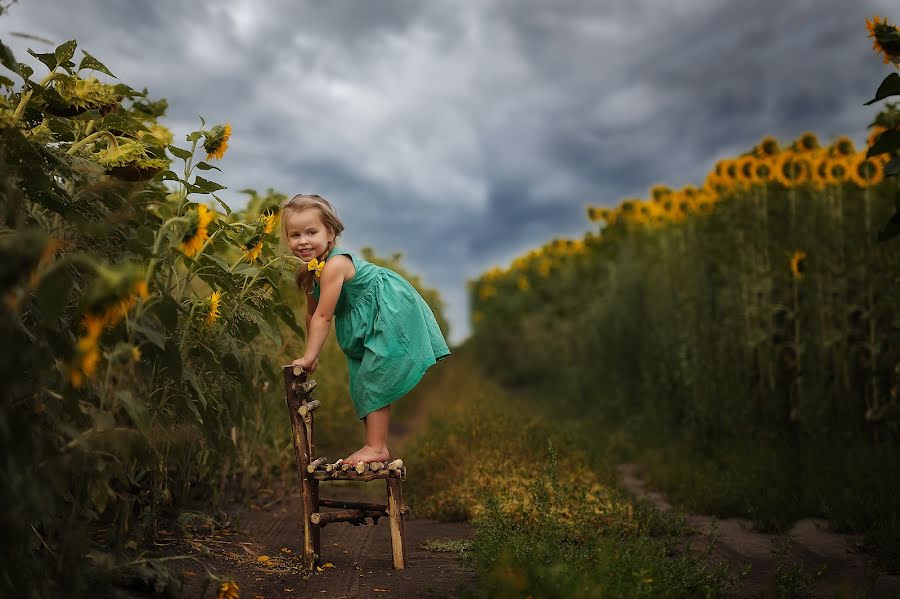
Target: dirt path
(811, 546)
(261, 546)
(261, 554)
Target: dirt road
(809, 547)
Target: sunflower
(252, 248)
(214, 302)
(522, 283)
(886, 39)
(837, 171)
(792, 169)
(843, 146)
(196, 235)
(269, 222)
(216, 141)
(807, 142)
(767, 147)
(819, 171)
(763, 170)
(865, 172)
(659, 192)
(228, 590)
(798, 264)
(88, 350)
(746, 170)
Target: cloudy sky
(463, 133)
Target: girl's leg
(375, 449)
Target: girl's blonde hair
(305, 277)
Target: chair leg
(316, 531)
(395, 503)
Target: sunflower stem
(20, 109)
(77, 146)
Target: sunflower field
(144, 326)
(760, 302)
(763, 302)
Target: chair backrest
(298, 395)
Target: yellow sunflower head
(807, 142)
(767, 147)
(659, 192)
(196, 234)
(252, 248)
(798, 264)
(214, 301)
(215, 142)
(269, 222)
(746, 170)
(763, 170)
(886, 39)
(837, 170)
(865, 172)
(792, 170)
(843, 146)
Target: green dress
(387, 331)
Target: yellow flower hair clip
(315, 265)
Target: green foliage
(547, 523)
(143, 331)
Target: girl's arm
(319, 322)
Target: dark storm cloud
(464, 133)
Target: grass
(548, 522)
(775, 483)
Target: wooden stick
(395, 506)
(376, 466)
(314, 465)
(353, 505)
(302, 451)
(320, 519)
(361, 467)
(395, 465)
(308, 407)
(333, 467)
(304, 388)
(353, 475)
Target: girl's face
(307, 235)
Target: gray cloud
(464, 133)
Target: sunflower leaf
(47, 58)
(221, 203)
(892, 168)
(887, 142)
(889, 87)
(89, 62)
(7, 59)
(891, 229)
(64, 52)
(168, 176)
(207, 185)
(205, 166)
(179, 153)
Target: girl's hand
(306, 364)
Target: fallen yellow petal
(264, 559)
(328, 565)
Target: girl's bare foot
(369, 454)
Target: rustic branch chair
(312, 471)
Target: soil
(261, 546)
(811, 548)
(261, 552)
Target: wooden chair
(312, 471)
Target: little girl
(382, 324)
